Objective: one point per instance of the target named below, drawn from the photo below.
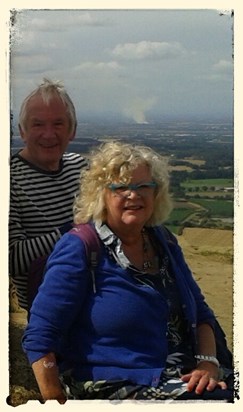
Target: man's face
(47, 132)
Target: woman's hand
(205, 376)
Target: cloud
(220, 71)
(36, 63)
(98, 66)
(88, 19)
(148, 50)
(223, 67)
(58, 21)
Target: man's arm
(23, 249)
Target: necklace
(147, 263)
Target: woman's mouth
(133, 207)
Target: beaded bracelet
(208, 358)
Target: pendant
(147, 265)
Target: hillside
(209, 254)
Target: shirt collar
(113, 243)
(106, 235)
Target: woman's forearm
(206, 340)
(47, 376)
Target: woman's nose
(133, 193)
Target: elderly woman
(143, 331)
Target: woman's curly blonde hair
(115, 162)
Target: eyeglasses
(142, 189)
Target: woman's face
(131, 208)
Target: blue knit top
(118, 332)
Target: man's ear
(72, 135)
(22, 133)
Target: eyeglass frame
(131, 187)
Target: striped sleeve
(40, 203)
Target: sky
(128, 65)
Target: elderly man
(44, 180)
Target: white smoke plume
(136, 109)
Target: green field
(174, 229)
(213, 206)
(177, 217)
(180, 214)
(208, 182)
(203, 217)
(216, 208)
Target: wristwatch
(208, 358)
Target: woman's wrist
(54, 394)
(207, 358)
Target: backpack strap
(87, 233)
